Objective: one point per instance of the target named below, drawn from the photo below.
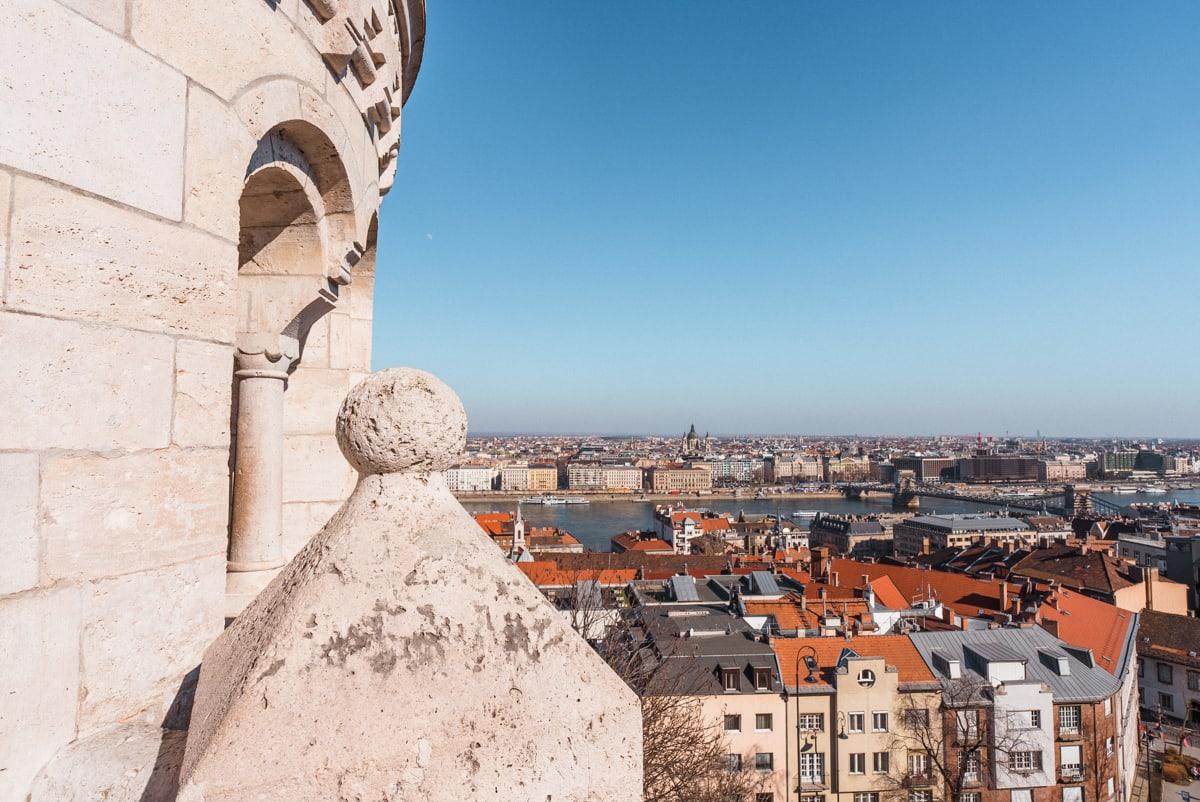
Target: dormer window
(762, 679)
(730, 680)
(866, 678)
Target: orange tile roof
(1089, 624)
(887, 594)
(961, 593)
(546, 573)
(896, 650)
(635, 543)
(789, 614)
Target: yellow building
(542, 478)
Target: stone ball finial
(401, 419)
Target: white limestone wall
(126, 131)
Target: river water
(595, 523)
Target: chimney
(1003, 596)
(866, 579)
(821, 593)
(1149, 582)
(803, 602)
(833, 578)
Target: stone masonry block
(108, 516)
(108, 13)
(201, 41)
(18, 511)
(5, 189)
(360, 345)
(312, 400)
(303, 520)
(73, 386)
(141, 633)
(203, 383)
(90, 109)
(218, 149)
(314, 469)
(40, 689)
(74, 256)
(339, 341)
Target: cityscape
(420, 401)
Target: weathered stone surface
(46, 363)
(313, 470)
(401, 610)
(312, 400)
(401, 420)
(201, 42)
(74, 256)
(90, 109)
(5, 190)
(303, 520)
(360, 345)
(362, 296)
(340, 349)
(141, 634)
(203, 376)
(218, 150)
(109, 13)
(108, 516)
(134, 762)
(18, 511)
(40, 690)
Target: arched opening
(292, 252)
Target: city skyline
(820, 219)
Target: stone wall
(128, 130)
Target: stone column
(256, 534)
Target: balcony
(1069, 733)
(813, 782)
(921, 780)
(1070, 772)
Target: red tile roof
(1089, 624)
(896, 650)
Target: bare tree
(686, 756)
(947, 741)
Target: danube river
(595, 523)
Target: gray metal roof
(1083, 682)
(764, 583)
(683, 588)
(970, 523)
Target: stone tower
(189, 198)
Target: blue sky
(791, 217)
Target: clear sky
(792, 217)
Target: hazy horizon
(822, 217)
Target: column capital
(268, 356)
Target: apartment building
(680, 527)
(1039, 719)
(471, 478)
(1061, 470)
(680, 479)
(514, 477)
(928, 469)
(1169, 667)
(926, 534)
(851, 536)
(542, 478)
(848, 704)
(603, 477)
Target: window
(1026, 719)
(735, 762)
(858, 763)
(1070, 761)
(968, 724)
(1166, 674)
(1025, 761)
(916, 719)
(762, 679)
(881, 762)
(812, 767)
(870, 796)
(733, 724)
(763, 722)
(970, 796)
(1108, 707)
(729, 678)
(866, 678)
(918, 764)
(1072, 795)
(1166, 701)
(920, 795)
(812, 722)
(879, 721)
(812, 798)
(764, 798)
(856, 722)
(970, 767)
(1141, 668)
(764, 761)
(1022, 795)
(1108, 746)
(1194, 680)
(1068, 719)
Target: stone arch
(296, 215)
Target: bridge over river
(907, 492)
